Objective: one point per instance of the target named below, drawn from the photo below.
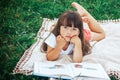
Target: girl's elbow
(101, 36)
(77, 60)
(50, 58)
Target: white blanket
(105, 52)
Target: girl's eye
(74, 29)
(65, 27)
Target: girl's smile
(68, 38)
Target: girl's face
(68, 32)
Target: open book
(92, 71)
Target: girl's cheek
(76, 33)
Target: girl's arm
(53, 53)
(77, 52)
(97, 32)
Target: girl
(69, 36)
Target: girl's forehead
(68, 23)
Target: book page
(89, 70)
(50, 69)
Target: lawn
(21, 19)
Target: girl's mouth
(69, 37)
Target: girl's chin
(68, 40)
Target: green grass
(21, 19)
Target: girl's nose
(69, 31)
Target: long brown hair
(70, 18)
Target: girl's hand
(61, 41)
(75, 40)
(77, 52)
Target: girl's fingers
(60, 37)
